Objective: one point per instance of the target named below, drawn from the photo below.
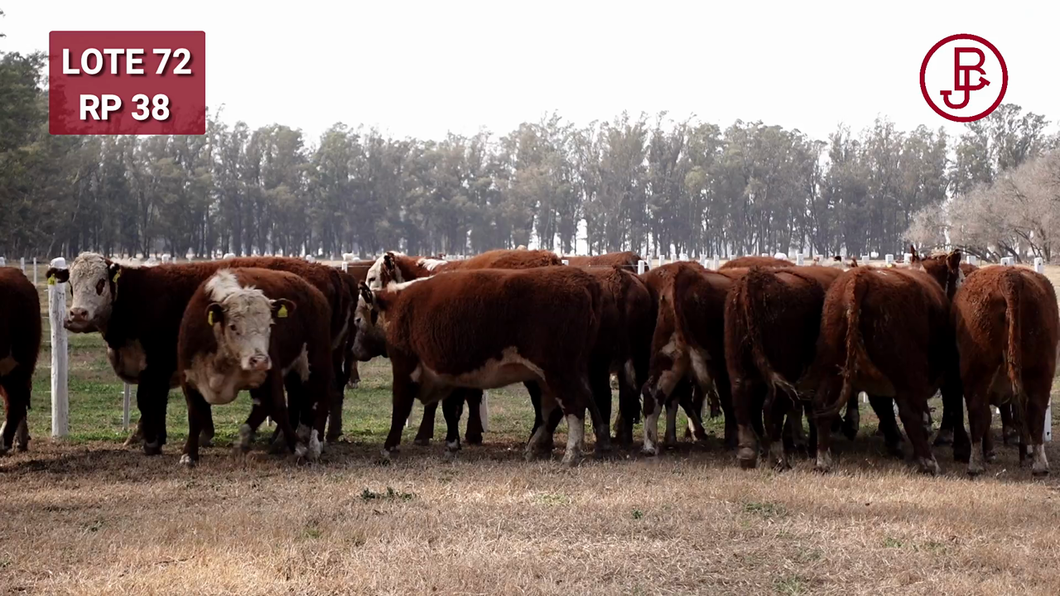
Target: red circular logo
(963, 78)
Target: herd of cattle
(764, 342)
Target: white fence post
(798, 259)
(3, 262)
(22, 264)
(1008, 261)
(126, 406)
(566, 262)
(345, 267)
(642, 265)
(34, 270)
(715, 267)
(56, 315)
(888, 258)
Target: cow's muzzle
(77, 321)
(257, 363)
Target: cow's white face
(242, 319)
(383, 271)
(91, 278)
(369, 334)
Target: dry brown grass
(92, 518)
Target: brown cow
(252, 328)
(395, 267)
(20, 338)
(752, 261)
(1007, 327)
(688, 343)
(886, 332)
(772, 321)
(626, 260)
(627, 320)
(486, 329)
(138, 311)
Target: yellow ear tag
(282, 313)
(209, 318)
(51, 280)
(116, 276)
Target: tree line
(647, 183)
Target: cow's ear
(282, 308)
(366, 293)
(55, 275)
(914, 255)
(214, 314)
(388, 261)
(114, 271)
(953, 260)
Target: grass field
(84, 515)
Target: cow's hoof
(962, 453)
(572, 458)
(333, 437)
(781, 465)
(315, 447)
(152, 448)
(990, 456)
(648, 450)
(453, 446)
(1040, 470)
(747, 457)
(945, 437)
(186, 461)
(975, 470)
(824, 463)
(473, 439)
(929, 466)
(422, 442)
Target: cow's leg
(152, 393)
(852, 420)
(208, 430)
(17, 397)
(599, 419)
(600, 390)
(721, 383)
(827, 394)
(748, 396)
(334, 415)
(892, 435)
(355, 374)
(779, 408)
(474, 416)
(258, 412)
(628, 403)
(794, 433)
(404, 392)
(195, 403)
(655, 393)
(1009, 430)
(690, 396)
(914, 414)
(426, 430)
(136, 437)
(319, 393)
(452, 409)
(271, 392)
(1034, 421)
(978, 425)
(670, 438)
(541, 442)
(576, 397)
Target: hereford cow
(486, 329)
(627, 320)
(138, 311)
(688, 342)
(395, 267)
(20, 337)
(772, 321)
(626, 260)
(886, 332)
(1007, 327)
(752, 261)
(249, 329)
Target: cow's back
(745, 262)
(511, 259)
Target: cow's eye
(232, 327)
(99, 286)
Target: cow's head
(945, 268)
(384, 271)
(242, 319)
(94, 281)
(369, 332)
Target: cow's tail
(1011, 286)
(858, 366)
(751, 290)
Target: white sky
(424, 68)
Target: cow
(688, 342)
(20, 339)
(249, 329)
(626, 260)
(138, 310)
(1007, 327)
(395, 267)
(627, 321)
(772, 321)
(753, 261)
(886, 332)
(356, 272)
(485, 329)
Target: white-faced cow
(249, 329)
